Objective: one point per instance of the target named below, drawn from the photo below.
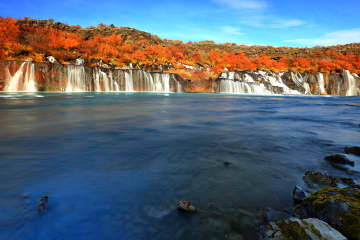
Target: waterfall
(76, 79)
(179, 88)
(23, 80)
(320, 78)
(104, 82)
(129, 85)
(301, 82)
(351, 89)
(161, 82)
(262, 83)
(114, 84)
(230, 86)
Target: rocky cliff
(29, 77)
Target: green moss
(293, 231)
(350, 220)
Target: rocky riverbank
(326, 207)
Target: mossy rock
(297, 229)
(336, 206)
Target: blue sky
(252, 22)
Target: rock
(271, 215)
(339, 207)
(43, 203)
(352, 150)
(299, 194)
(294, 228)
(79, 61)
(51, 59)
(318, 179)
(339, 159)
(226, 163)
(185, 205)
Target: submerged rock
(339, 159)
(185, 205)
(299, 194)
(294, 228)
(43, 203)
(317, 180)
(339, 207)
(352, 150)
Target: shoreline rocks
(339, 207)
(352, 150)
(306, 229)
(339, 159)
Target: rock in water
(339, 207)
(186, 206)
(352, 150)
(340, 159)
(317, 180)
(298, 194)
(294, 228)
(43, 203)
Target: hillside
(122, 47)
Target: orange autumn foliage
(191, 60)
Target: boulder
(339, 159)
(306, 229)
(42, 205)
(339, 207)
(352, 150)
(299, 194)
(186, 206)
(317, 180)
(51, 59)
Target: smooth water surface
(115, 165)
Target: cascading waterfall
(76, 79)
(129, 84)
(320, 78)
(114, 84)
(23, 80)
(301, 82)
(161, 82)
(231, 86)
(351, 89)
(29, 82)
(103, 82)
(261, 83)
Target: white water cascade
(103, 82)
(320, 78)
(301, 82)
(351, 89)
(23, 80)
(161, 82)
(129, 85)
(76, 79)
(231, 86)
(261, 83)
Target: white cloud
(334, 38)
(270, 21)
(230, 30)
(243, 4)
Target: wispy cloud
(269, 21)
(334, 38)
(243, 4)
(230, 30)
